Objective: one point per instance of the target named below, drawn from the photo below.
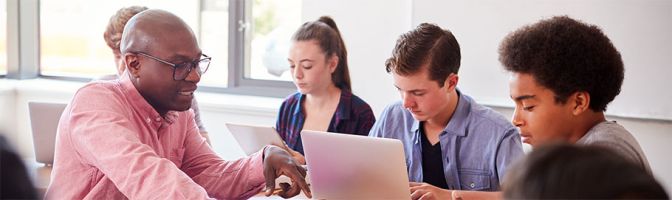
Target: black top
(432, 161)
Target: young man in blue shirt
(450, 141)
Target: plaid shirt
(353, 116)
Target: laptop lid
(344, 166)
(252, 138)
(44, 119)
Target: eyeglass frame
(175, 66)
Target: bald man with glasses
(135, 137)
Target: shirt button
(472, 185)
(147, 120)
(158, 119)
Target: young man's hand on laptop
(426, 191)
(279, 162)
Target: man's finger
(269, 175)
(412, 184)
(303, 171)
(289, 191)
(300, 180)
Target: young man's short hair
(426, 44)
(566, 56)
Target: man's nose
(516, 118)
(194, 75)
(408, 101)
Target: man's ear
(580, 101)
(132, 64)
(451, 81)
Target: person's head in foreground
(563, 74)
(565, 171)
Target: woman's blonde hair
(115, 27)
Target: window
(274, 22)
(214, 37)
(247, 39)
(3, 37)
(72, 44)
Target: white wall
(640, 30)
(8, 118)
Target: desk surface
(40, 175)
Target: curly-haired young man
(563, 75)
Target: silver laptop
(252, 138)
(344, 166)
(44, 119)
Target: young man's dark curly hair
(566, 56)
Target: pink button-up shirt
(111, 144)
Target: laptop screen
(44, 119)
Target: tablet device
(44, 119)
(253, 138)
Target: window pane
(3, 37)
(273, 23)
(72, 41)
(214, 41)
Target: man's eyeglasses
(182, 70)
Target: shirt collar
(344, 105)
(140, 104)
(458, 122)
(299, 98)
(342, 111)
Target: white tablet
(252, 138)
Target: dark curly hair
(426, 44)
(566, 56)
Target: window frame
(240, 15)
(23, 50)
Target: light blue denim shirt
(477, 145)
